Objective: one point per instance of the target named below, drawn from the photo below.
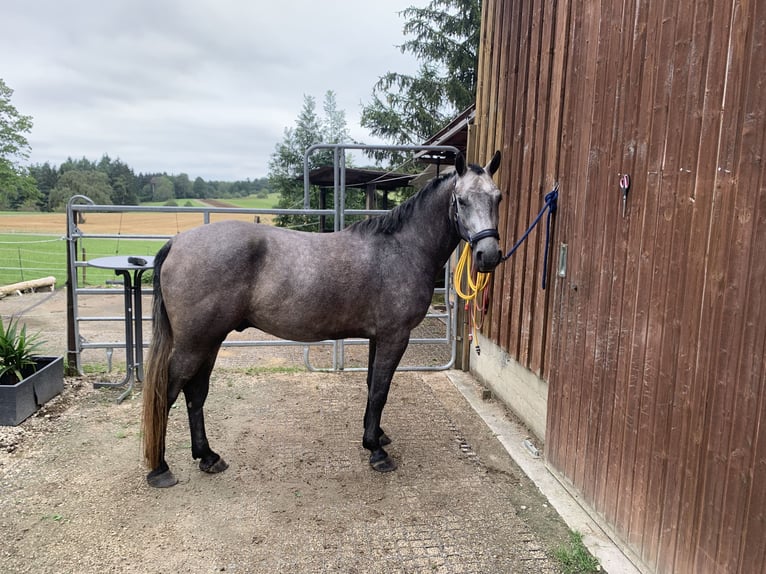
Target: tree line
(111, 181)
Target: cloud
(203, 87)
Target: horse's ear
(493, 164)
(459, 163)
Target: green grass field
(28, 253)
(27, 256)
(253, 202)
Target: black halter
(471, 239)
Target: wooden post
(370, 197)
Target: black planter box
(19, 401)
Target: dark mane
(392, 221)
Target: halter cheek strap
(471, 239)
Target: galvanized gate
(78, 262)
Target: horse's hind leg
(189, 372)
(382, 436)
(195, 392)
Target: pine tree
(407, 110)
(286, 165)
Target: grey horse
(372, 280)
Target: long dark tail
(155, 386)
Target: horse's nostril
(479, 255)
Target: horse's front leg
(384, 359)
(195, 393)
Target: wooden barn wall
(653, 343)
(518, 112)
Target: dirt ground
(299, 495)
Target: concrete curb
(512, 436)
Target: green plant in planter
(17, 351)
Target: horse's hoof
(164, 479)
(382, 462)
(384, 439)
(219, 465)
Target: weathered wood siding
(654, 342)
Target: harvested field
(138, 223)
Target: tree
(334, 128)
(162, 188)
(407, 110)
(82, 164)
(286, 164)
(200, 188)
(92, 184)
(46, 177)
(182, 186)
(123, 181)
(17, 188)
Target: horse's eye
(462, 202)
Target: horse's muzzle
(487, 254)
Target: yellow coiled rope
(474, 305)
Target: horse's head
(475, 200)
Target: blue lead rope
(551, 199)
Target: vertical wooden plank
(485, 79)
(503, 290)
(490, 108)
(638, 392)
(497, 72)
(653, 394)
(680, 165)
(634, 31)
(559, 380)
(577, 137)
(563, 381)
(605, 219)
(504, 296)
(729, 257)
(752, 545)
(585, 25)
(753, 548)
(682, 130)
(494, 87)
(690, 396)
(551, 174)
(618, 124)
(540, 300)
(704, 419)
(543, 116)
(529, 159)
(746, 380)
(515, 265)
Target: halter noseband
(483, 234)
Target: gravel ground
(299, 495)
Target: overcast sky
(202, 87)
